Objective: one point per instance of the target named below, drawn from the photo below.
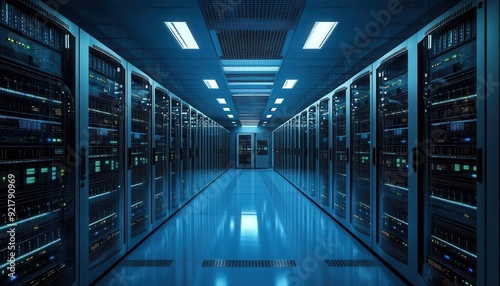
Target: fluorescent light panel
(182, 34)
(230, 116)
(269, 116)
(274, 109)
(221, 100)
(279, 100)
(319, 34)
(226, 109)
(211, 83)
(252, 69)
(290, 83)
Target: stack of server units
(37, 166)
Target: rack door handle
(83, 167)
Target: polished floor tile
(250, 215)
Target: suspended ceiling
(256, 33)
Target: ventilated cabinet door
(161, 154)
(340, 152)
(451, 172)
(393, 162)
(360, 155)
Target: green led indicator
(466, 167)
(4, 179)
(398, 160)
(98, 163)
(457, 167)
(474, 168)
(30, 180)
(44, 170)
(30, 171)
(106, 162)
(97, 169)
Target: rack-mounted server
(37, 141)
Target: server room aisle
(247, 217)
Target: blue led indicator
(471, 270)
(447, 257)
(467, 139)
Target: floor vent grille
(350, 263)
(147, 263)
(249, 263)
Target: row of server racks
(397, 154)
(94, 154)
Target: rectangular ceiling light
(211, 83)
(182, 34)
(319, 34)
(251, 69)
(226, 109)
(279, 100)
(289, 83)
(269, 116)
(274, 109)
(221, 101)
(230, 116)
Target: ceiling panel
(250, 30)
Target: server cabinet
(296, 144)
(341, 152)
(185, 146)
(205, 150)
(161, 154)
(245, 150)
(139, 153)
(393, 156)
(325, 152)
(37, 124)
(199, 153)
(303, 151)
(192, 152)
(312, 151)
(102, 178)
(452, 169)
(175, 151)
(360, 132)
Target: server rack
(200, 153)
(175, 154)
(312, 150)
(185, 146)
(102, 149)
(325, 151)
(393, 156)
(37, 110)
(194, 141)
(138, 180)
(161, 153)
(453, 167)
(361, 153)
(303, 151)
(341, 153)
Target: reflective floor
(250, 215)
